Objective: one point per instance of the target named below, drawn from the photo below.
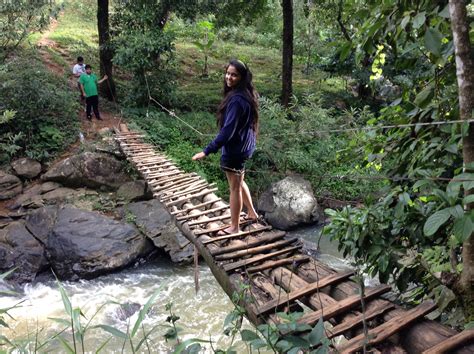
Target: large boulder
(83, 244)
(10, 186)
(156, 223)
(88, 169)
(26, 167)
(133, 191)
(289, 203)
(20, 250)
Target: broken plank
(311, 288)
(238, 234)
(353, 322)
(387, 329)
(278, 263)
(448, 345)
(236, 265)
(258, 241)
(254, 250)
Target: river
(201, 315)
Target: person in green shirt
(88, 83)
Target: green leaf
(433, 41)
(434, 222)
(66, 345)
(60, 320)
(144, 310)
(421, 183)
(405, 21)
(468, 199)
(463, 228)
(317, 333)
(103, 345)
(7, 273)
(424, 96)
(112, 330)
(345, 51)
(182, 346)
(248, 335)
(419, 20)
(456, 211)
(65, 298)
(445, 12)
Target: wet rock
(26, 167)
(156, 223)
(289, 203)
(10, 186)
(40, 223)
(85, 244)
(89, 169)
(127, 310)
(133, 191)
(20, 250)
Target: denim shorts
(233, 164)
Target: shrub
(45, 119)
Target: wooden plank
(254, 250)
(156, 182)
(258, 241)
(236, 265)
(278, 263)
(342, 306)
(216, 218)
(448, 345)
(387, 329)
(204, 212)
(167, 174)
(152, 163)
(311, 288)
(201, 194)
(239, 234)
(182, 185)
(156, 166)
(242, 222)
(197, 206)
(193, 188)
(353, 322)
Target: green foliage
(20, 18)
(205, 39)
(45, 109)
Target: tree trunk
(465, 79)
(287, 63)
(107, 88)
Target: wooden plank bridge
(278, 275)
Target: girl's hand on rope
(199, 155)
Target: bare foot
(228, 231)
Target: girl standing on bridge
(237, 119)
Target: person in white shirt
(77, 71)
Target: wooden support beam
(197, 206)
(258, 241)
(387, 329)
(205, 212)
(342, 306)
(201, 194)
(236, 265)
(311, 288)
(450, 344)
(254, 250)
(353, 322)
(278, 263)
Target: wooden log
(238, 234)
(203, 193)
(258, 241)
(448, 345)
(371, 313)
(419, 337)
(254, 250)
(236, 265)
(387, 329)
(216, 218)
(197, 206)
(342, 306)
(278, 263)
(311, 288)
(205, 212)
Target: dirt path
(89, 128)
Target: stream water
(201, 315)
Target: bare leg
(247, 200)
(235, 184)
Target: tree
(20, 18)
(465, 80)
(105, 49)
(287, 56)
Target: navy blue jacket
(236, 136)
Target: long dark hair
(245, 88)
